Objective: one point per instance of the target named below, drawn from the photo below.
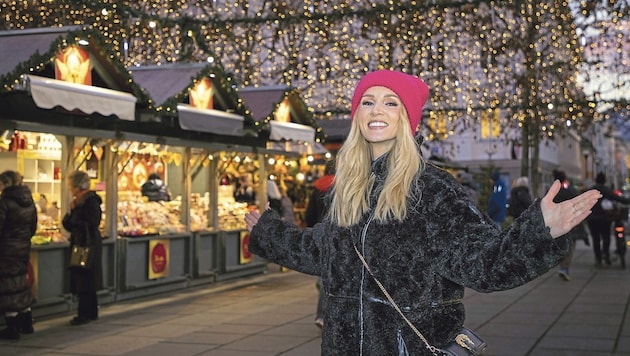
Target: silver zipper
(363, 236)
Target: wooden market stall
(201, 98)
(61, 92)
(293, 139)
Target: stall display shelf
(40, 170)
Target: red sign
(158, 258)
(246, 256)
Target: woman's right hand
(251, 219)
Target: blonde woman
(419, 232)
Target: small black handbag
(82, 256)
(465, 343)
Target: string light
(520, 57)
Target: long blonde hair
(353, 180)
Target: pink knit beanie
(411, 90)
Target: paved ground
(272, 314)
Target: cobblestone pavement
(273, 314)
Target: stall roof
(19, 45)
(165, 81)
(27, 91)
(263, 102)
(27, 64)
(335, 130)
(228, 116)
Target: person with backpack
(520, 197)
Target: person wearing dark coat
(599, 221)
(18, 222)
(520, 198)
(317, 204)
(83, 222)
(578, 232)
(315, 212)
(497, 203)
(419, 232)
(155, 189)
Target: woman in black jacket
(83, 224)
(417, 229)
(18, 222)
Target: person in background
(18, 222)
(43, 204)
(316, 209)
(245, 192)
(274, 197)
(155, 189)
(83, 222)
(599, 221)
(498, 199)
(54, 211)
(287, 204)
(520, 198)
(578, 232)
(395, 219)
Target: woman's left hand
(562, 217)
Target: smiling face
(379, 116)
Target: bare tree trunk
(525, 144)
(535, 164)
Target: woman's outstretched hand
(562, 217)
(251, 218)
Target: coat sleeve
(471, 251)
(286, 244)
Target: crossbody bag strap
(431, 348)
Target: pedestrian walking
(497, 203)
(567, 191)
(599, 221)
(520, 197)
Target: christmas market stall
(201, 99)
(61, 99)
(293, 142)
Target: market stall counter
(235, 259)
(205, 264)
(153, 264)
(48, 273)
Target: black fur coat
(444, 245)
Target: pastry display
(47, 231)
(139, 218)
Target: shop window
(490, 123)
(438, 124)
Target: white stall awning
(209, 120)
(298, 148)
(289, 131)
(49, 93)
